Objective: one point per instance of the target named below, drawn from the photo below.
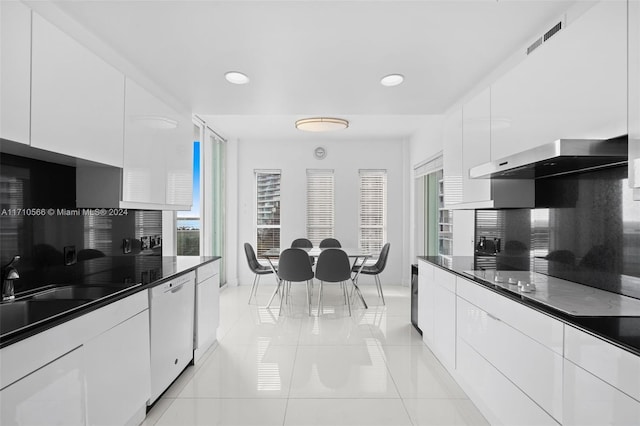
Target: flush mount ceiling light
(392, 80)
(321, 124)
(236, 77)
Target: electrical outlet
(144, 243)
(126, 245)
(70, 255)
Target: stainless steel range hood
(561, 157)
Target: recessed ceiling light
(236, 77)
(392, 80)
(321, 124)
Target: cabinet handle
(493, 318)
(177, 288)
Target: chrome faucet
(9, 273)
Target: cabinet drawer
(591, 401)
(536, 325)
(208, 270)
(531, 366)
(29, 354)
(445, 279)
(53, 394)
(499, 400)
(615, 366)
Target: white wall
(293, 158)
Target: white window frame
(255, 210)
(320, 209)
(362, 243)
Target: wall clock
(319, 153)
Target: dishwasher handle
(175, 288)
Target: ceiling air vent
(534, 46)
(557, 27)
(552, 31)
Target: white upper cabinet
(573, 86)
(634, 95)
(452, 159)
(15, 83)
(158, 151)
(476, 145)
(77, 98)
(467, 143)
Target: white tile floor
(368, 369)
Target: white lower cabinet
(521, 366)
(93, 370)
(53, 394)
(499, 400)
(602, 382)
(444, 329)
(437, 312)
(426, 301)
(117, 372)
(589, 400)
(207, 308)
(533, 368)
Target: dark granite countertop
(126, 275)
(623, 332)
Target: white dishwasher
(171, 310)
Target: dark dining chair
(304, 243)
(333, 267)
(375, 269)
(301, 243)
(256, 267)
(294, 266)
(330, 243)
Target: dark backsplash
(585, 228)
(38, 219)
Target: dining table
(358, 256)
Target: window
(267, 210)
(372, 224)
(320, 210)
(188, 222)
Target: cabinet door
(572, 86)
(634, 95)
(426, 301)
(158, 151)
(77, 98)
(15, 79)
(207, 312)
(476, 145)
(118, 373)
(508, 351)
(179, 164)
(147, 122)
(499, 400)
(445, 326)
(452, 158)
(53, 394)
(591, 401)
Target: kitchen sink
(73, 292)
(44, 303)
(21, 313)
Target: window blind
(267, 210)
(372, 210)
(320, 205)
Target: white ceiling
(310, 58)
